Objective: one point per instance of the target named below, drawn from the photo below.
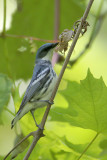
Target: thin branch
(59, 78)
(30, 38)
(4, 19)
(88, 146)
(37, 136)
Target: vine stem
(4, 22)
(88, 146)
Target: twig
(59, 78)
(37, 135)
(88, 146)
(30, 38)
(4, 22)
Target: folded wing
(39, 78)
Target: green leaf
(76, 140)
(103, 145)
(87, 104)
(5, 90)
(1, 157)
(79, 148)
(61, 148)
(33, 18)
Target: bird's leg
(32, 112)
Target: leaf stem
(4, 22)
(88, 146)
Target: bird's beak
(54, 45)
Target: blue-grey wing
(39, 78)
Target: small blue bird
(41, 85)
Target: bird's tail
(17, 117)
(14, 121)
(20, 114)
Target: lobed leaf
(87, 104)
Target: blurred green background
(36, 18)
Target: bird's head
(45, 52)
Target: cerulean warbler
(41, 85)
